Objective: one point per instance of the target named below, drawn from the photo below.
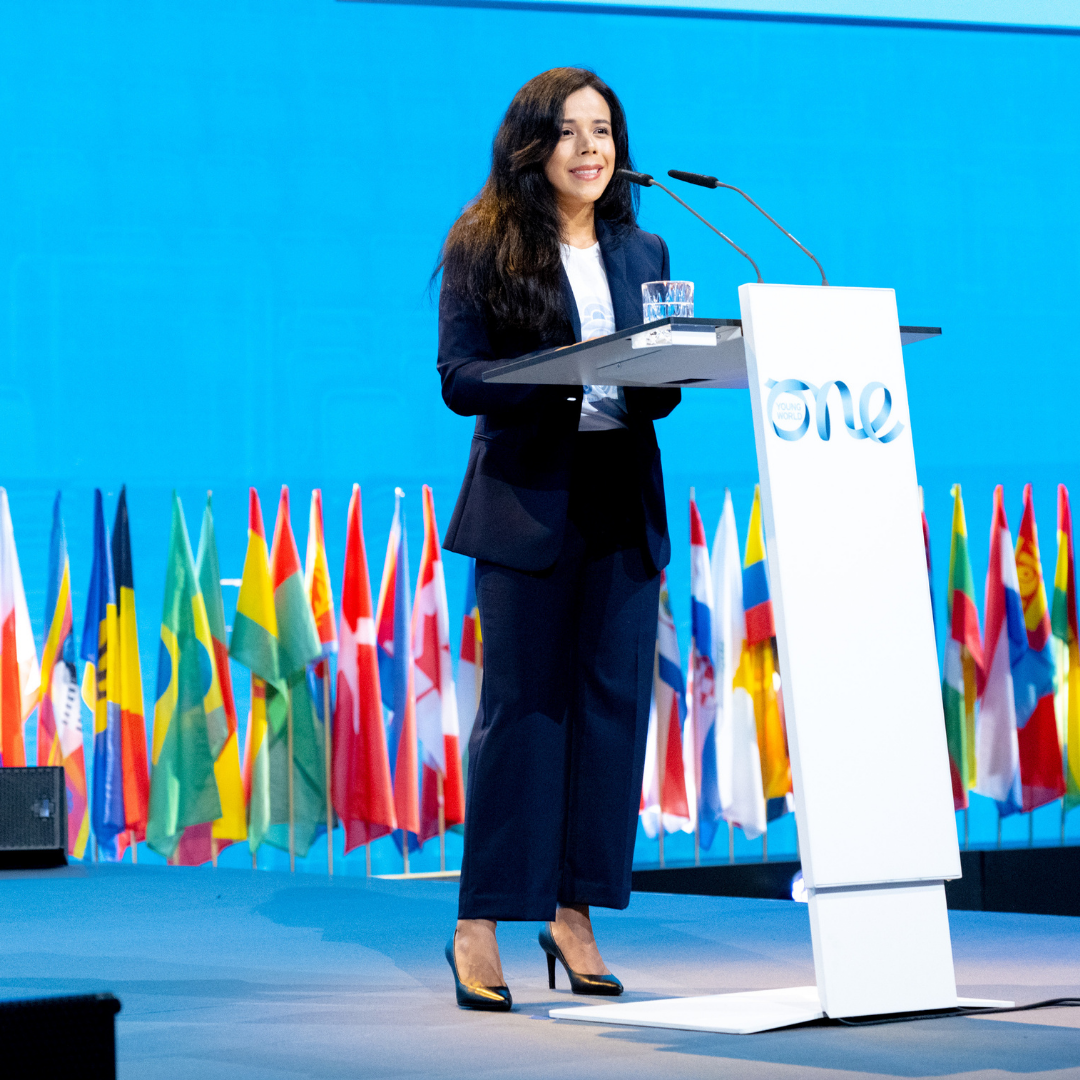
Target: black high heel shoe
(490, 998)
(579, 983)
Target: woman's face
(583, 161)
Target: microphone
(711, 182)
(645, 180)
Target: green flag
(189, 716)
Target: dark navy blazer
(513, 501)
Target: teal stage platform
(238, 975)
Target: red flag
(436, 702)
(363, 790)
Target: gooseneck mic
(711, 182)
(645, 180)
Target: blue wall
(217, 222)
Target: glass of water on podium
(664, 299)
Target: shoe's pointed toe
(580, 983)
(474, 996)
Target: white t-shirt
(604, 407)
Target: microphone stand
(711, 181)
(645, 180)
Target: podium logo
(791, 402)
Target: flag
(129, 684)
(60, 735)
(101, 692)
(197, 844)
(1004, 647)
(1041, 774)
(20, 676)
(738, 759)
(436, 701)
(664, 794)
(254, 643)
(470, 674)
(190, 729)
(758, 674)
(362, 787)
(298, 646)
(1064, 625)
(963, 660)
(321, 600)
(393, 621)
(703, 703)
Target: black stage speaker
(60, 1036)
(33, 818)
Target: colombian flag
(129, 686)
(60, 737)
(1033, 678)
(1064, 626)
(758, 672)
(363, 788)
(189, 716)
(963, 660)
(20, 677)
(101, 692)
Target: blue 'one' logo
(780, 410)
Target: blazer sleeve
(465, 352)
(654, 403)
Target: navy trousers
(558, 748)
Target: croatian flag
(1005, 647)
(442, 801)
(703, 682)
(737, 753)
(396, 675)
(664, 794)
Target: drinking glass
(663, 299)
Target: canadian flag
(436, 701)
(363, 790)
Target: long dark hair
(502, 254)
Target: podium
(855, 636)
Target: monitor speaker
(33, 818)
(60, 1036)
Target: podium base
(727, 1014)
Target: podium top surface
(669, 352)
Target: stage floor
(231, 975)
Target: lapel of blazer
(625, 294)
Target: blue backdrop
(218, 219)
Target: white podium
(862, 693)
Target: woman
(563, 509)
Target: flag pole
(405, 850)
(213, 849)
(442, 823)
(292, 818)
(367, 857)
(329, 799)
(134, 845)
(731, 843)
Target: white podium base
(727, 1014)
